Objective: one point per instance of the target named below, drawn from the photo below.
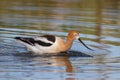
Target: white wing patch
(43, 39)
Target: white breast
(54, 48)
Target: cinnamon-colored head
(73, 34)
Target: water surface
(97, 21)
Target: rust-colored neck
(68, 43)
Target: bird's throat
(68, 44)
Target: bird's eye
(75, 34)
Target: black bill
(84, 44)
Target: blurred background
(98, 21)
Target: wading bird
(50, 43)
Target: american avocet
(50, 43)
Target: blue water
(97, 22)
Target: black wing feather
(32, 42)
(49, 37)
